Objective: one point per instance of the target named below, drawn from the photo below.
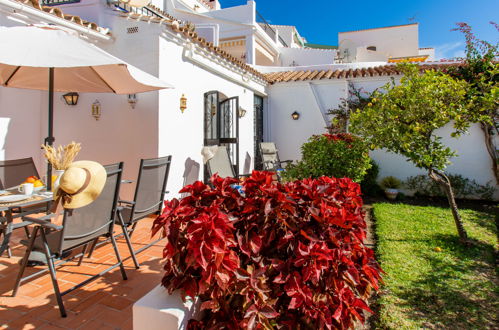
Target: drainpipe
(17, 7)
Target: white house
(219, 59)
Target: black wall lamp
(71, 98)
(295, 115)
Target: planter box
(158, 310)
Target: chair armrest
(131, 203)
(127, 181)
(42, 221)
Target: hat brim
(93, 190)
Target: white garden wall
(473, 161)
(306, 56)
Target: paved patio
(103, 304)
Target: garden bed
(432, 280)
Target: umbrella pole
(50, 139)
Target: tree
(481, 70)
(404, 119)
(357, 99)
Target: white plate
(13, 198)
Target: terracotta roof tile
(384, 70)
(313, 74)
(59, 13)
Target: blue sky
(320, 21)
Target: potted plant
(391, 184)
(280, 256)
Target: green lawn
(456, 288)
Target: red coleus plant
(283, 255)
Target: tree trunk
(443, 180)
(489, 143)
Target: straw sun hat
(81, 184)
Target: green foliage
(403, 119)
(390, 182)
(453, 287)
(481, 71)
(333, 155)
(462, 187)
(357, 99)
(369, 185)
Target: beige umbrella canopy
(27, 53)
(51, 59)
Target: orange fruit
(437, 249)
(38, 183)
(31, 179)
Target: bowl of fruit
(37, 183)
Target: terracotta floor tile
(112, 317)
(50, 327)
(116, 302)
(94, 325)
(104, 303)
(25, 322)
(9, 314)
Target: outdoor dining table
(8, 214)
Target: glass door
(221, 124)
(258, 127)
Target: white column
(250, 49)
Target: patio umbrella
(51, 59)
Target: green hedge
(333, 155)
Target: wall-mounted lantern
(183, 103)
(96, 110)
(132, 100)
(295, 115)
(71, 98)
(242, 112)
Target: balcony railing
(58, 2)
(268, 29)
(145, 11)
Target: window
(373, 48)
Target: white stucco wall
(428, 51)
(310, 101)
(156, 127)
(306, 56)
(390, 41)
(473, 161)
(182, 134)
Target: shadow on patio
(102, 304)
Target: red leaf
(268, 312)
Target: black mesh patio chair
(270, 158)
(12, 173)
(79, 227)
(148, 200)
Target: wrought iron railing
(268, 29)
(137, 10)
(58, 2)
